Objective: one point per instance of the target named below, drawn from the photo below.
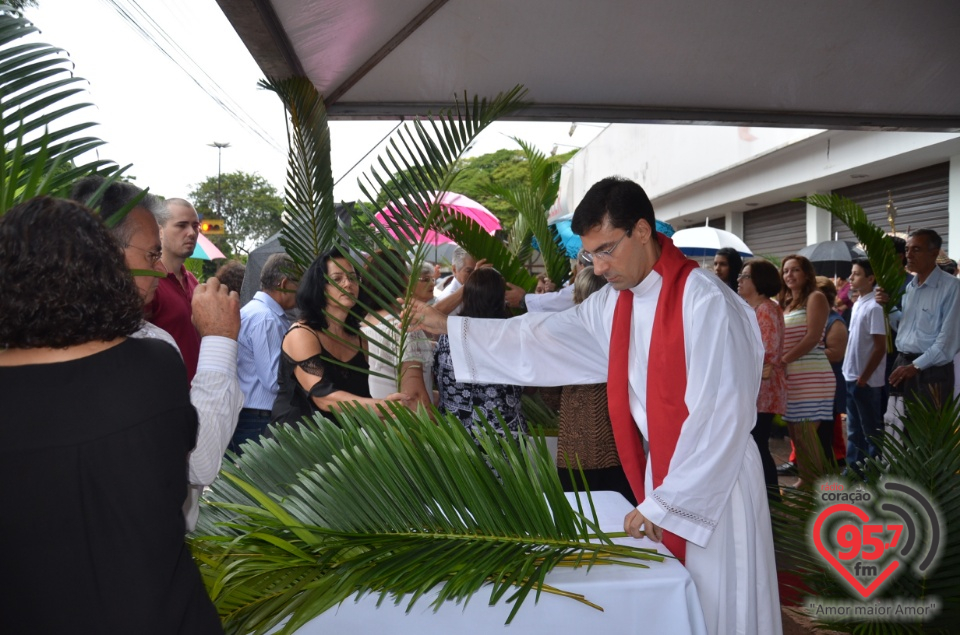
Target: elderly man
(463, 265)
(170, 308)
(263, 323)
(215, 391)
(928, 328)
(682, 357)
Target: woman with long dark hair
(727, 264)
(483, 297)
(322, 362)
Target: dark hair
(312, 293)
(900, 246)
(734, 263)
(231, 274)
(764, 276)
(933, 238)
(483, 295)
(826, 287)
(64, 278)
(117, 196)
(385, 279)
(619, 200)
(864, 263)
(785, 296)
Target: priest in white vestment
(709, 494)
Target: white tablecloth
(661, 599)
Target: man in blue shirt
(928, 333)
(263, 323)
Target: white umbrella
(706, 241)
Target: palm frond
(311, 224)
(886, 263)
(37, 90)
(532, 200)
(398, 508)
(471, 237)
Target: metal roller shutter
(920, 197)
(778, 230)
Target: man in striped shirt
(263, 323)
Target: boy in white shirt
(863, 369)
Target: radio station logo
(871, 536)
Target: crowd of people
(169, 376)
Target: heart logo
(853, 541)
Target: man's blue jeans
(864, 422)
(250, 425)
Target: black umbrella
(833, 258)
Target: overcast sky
(153, 115)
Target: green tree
(249, 205)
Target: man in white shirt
(215, 391)
(862, 367)
(263, 323)
(463, 265)
(661, 329)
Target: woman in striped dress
(810, 381)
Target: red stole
(666, 380)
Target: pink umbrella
(450, 203)
(206, 250)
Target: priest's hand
(422, 317)
(636, 525)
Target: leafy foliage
(532, 199)
(399, 508)
(929, 458)
(37, 92)
(884, 260)
(312, 224)
(248, 203)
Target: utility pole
(219, 146)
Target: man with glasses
(215, 391)
(682, 358)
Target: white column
(953, 209)
(818, 223)
(735, 223)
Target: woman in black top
(96, 430)
(483, 297)
(322, 362)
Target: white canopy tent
(862, 64)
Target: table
(661, 599)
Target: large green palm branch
(532, 199)
(400, 508)
(38, 92)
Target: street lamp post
(219, 146)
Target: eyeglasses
(589, 257)
(427, 279)
(153, 256)
(744, 276)
(342, 279)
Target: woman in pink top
(757, 283)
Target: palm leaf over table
(400, 508)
